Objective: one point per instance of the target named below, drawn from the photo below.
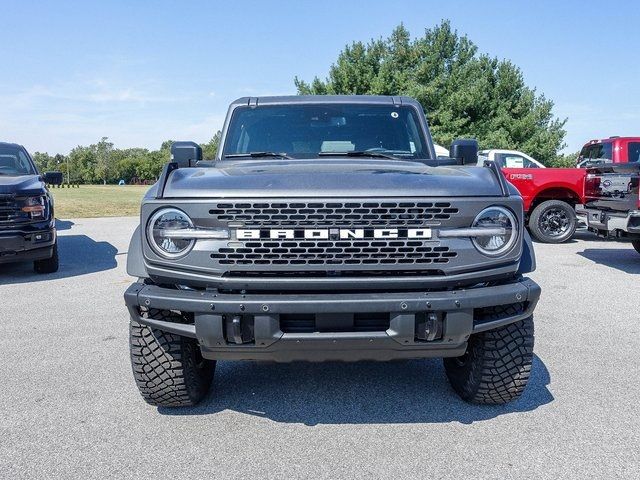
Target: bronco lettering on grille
(334, 233)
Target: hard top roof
(8, 144)
(324, 99)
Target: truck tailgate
(613, 187)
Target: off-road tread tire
(167, 368)
(534, 218)
(636, 245)
(48, 265)
(497, 366)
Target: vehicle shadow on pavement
(626, 260)
(79, 255)
(414, 391)
(62, 225)
(584, 234)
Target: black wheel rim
(554, 222)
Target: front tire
(553, 221)
(48, 265)
(168, 369)
(636, 245)
(495, 368)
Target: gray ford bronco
(327, 229)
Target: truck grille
(337, 214)
(354, 252)
(9, 210)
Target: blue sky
(141, 72)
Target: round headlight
(169, 220)
(502, 231)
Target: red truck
(610, 150)
(550, 196)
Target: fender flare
(528, 259)
(135, 257)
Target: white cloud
(58, 117)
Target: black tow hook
(239, 329)
(236, 329)
(429, 327)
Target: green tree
(565, 160)
(210, 149)
(465, 94)
(60, 164)
(43, 161)
(104, 165)
(125, 162)
(82, 163)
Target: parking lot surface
(69, 407)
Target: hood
(23, 184)
(330, 178)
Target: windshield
(313, 131)
(14, 161)
(596, 151)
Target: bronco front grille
(337, 214)
(353, 252)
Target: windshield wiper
(359, 153)
(257, 155)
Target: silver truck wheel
(168, 369)
(496, 366)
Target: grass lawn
(98, 201)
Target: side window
(634, 151)
(513, 161)
(23, 162)
(529, 164)
(414, 136)
(243, 141)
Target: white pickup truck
(508, 159)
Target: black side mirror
(53, 178)
(465, 151)
(186, 154)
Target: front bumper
(458, 313)
(620, 223)
(30, 243)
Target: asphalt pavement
(69, 407)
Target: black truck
(612, 201)
(327, 229)
(27, 222)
